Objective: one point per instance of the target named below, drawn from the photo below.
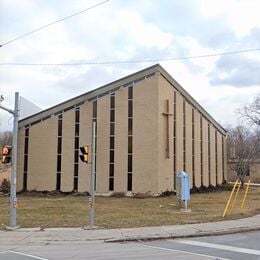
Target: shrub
(5, 186)
(117, 194)
(140, 195)
(167, 193)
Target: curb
(172, 236)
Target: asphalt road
(236, 246)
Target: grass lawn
(72, 211)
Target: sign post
(84, 157)
(13, 199)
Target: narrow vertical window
(59, 153)
(112, 142)
(216, 155)
(201, 151)
(76, 149)
(184, 135)
(174, 139)
(94, 119)
(193, 147)
(223, 159)
(130, 140)
(209, 163)
(25, 160)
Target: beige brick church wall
(166, 93)
(102, 157)
(121, 139)
(85, 138)
(42, 155)
(145, 136)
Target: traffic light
(85, 150)
(6, 154)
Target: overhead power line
(129, 61)
(52, 23)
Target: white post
(13, 199)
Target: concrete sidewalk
(57, 236)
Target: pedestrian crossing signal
(6, 154)
(85, 150)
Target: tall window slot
(216, 155)
(130, 140)
(174, 139)
(59, 153)
(76, 149)
(223, 159)
(184, 135)
(94, 119)
(25, 159)
(112, 142)
(193, 147)
(209, 155)
(201, 151)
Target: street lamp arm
(8, 110)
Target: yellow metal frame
(237, 186)
(245, 196)
(229, 200)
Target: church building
(148, 129)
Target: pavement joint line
(185, 252)
(24, 254)
(219, 246)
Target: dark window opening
(58, 163)
(112, 128)
(111, 183)
(130, 126)
(59, 145)
(130, 144)
(77, 113)
(130, 108)
(112, 153)
(112, 115)
(129, 181)
(76, 129)
(59, 127)
(112, 101)
(95, 109)
(76, 142)
(130, 163)
(130, 92)
(112, 142)
(75, 184)
(26, 142)
(25, 165)
(58, 181)
(111, 169)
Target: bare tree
(243, 148)
(251, 112)
(6, 138)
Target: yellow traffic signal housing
(85, 150)
(6, 154)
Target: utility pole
(13, 199)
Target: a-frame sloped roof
(113, 86)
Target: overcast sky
(125, 30)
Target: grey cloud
(239, 71)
